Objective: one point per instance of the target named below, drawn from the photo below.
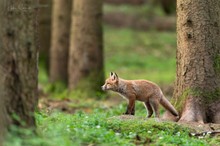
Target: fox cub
(147, 92)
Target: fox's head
(111, 83)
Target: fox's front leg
(131, 107)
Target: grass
(101, 127)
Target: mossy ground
(104, 126)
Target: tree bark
(86, 48)
(18, 63)
(61, 15)
(197, 89)
(44, 29)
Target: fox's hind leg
(149, 109)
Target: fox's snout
(103, 87)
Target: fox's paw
(127, 113)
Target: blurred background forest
(139, 42)
(79, 45)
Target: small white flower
(209, 132)
(98, 126)
(178, 133)
(117, 134)
(160, 137)
(149, 131)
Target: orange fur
(143, 90)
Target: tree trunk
(18, 62)
(44, 29)
(61, 15)
(197, 89)
(86, 49)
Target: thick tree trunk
(3, 121)
(61, 15)
(18, 62)
(197, 89)
(44, 29)
(86, 49)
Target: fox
(142, 90)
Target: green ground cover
(103, 127)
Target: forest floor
(72, 106)
(86, 121)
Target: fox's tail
(167, 105)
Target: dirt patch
(55, 104)
(201, 130)
(199, 127)
(66, 105)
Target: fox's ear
(116, 75)
(113, 76)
